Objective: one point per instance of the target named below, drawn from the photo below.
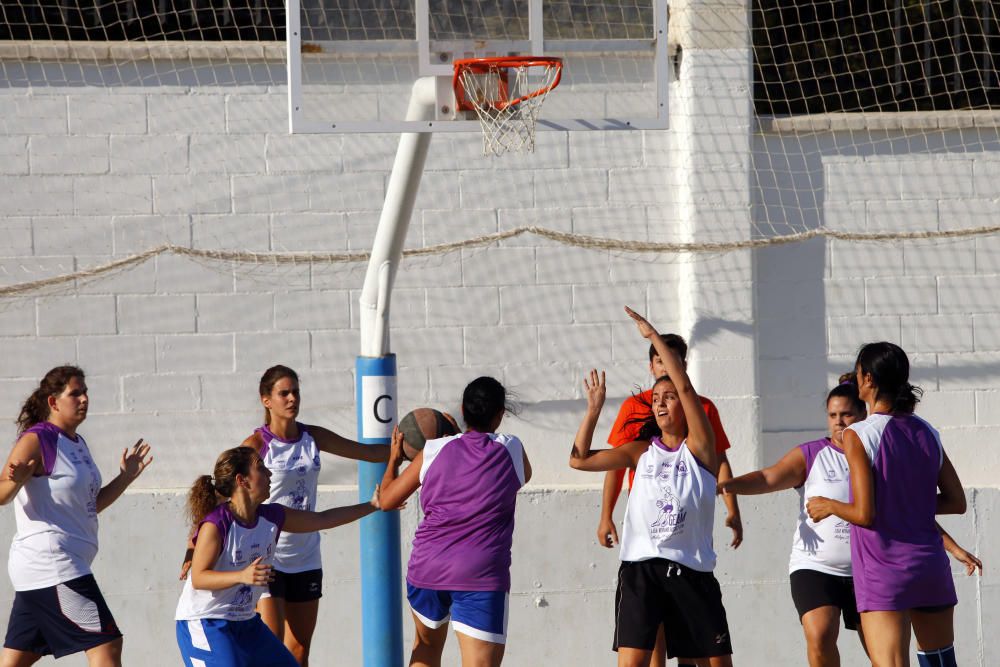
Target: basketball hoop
(506, 93)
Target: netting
(152, 191)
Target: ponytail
(209, 490)
(36, 407)
(890, 371)
(202, 499)
(906, 398)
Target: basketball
(423, 424)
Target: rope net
(154, 196)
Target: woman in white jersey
(236, 538)
(820, 563)
(666, 547)
(56, 488)
(291, 451)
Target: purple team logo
(682, 468)
(243, 597)
(297, 498)
(316, 460)
(670, 518)
(238, 556)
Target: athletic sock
(942, 657)
(686, 664)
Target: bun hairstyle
(36, 407)
(483, 399)
(848, 388)
(890, 371)
(209, 490)
(270, 378)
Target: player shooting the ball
(459, 568)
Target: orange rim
(485, 65)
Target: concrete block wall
(819, 301)
(174, 346)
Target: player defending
(632, 413)
(667, 554)
(56, 488)
(235, 543)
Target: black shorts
(812, 590)
(686, 602)
(297, 586)
(60, 620)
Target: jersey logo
(670, 518)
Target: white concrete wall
(92, 172)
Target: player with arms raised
(666, 548)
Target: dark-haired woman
(820, 564)
(460, 564)
(235, 542)
(667, 553)
(56, 488)
(291, 452)
(901, 478)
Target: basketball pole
(375, 391)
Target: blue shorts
(477, 614)
(66, 618)
(214, 642)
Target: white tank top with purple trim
(294, 467)
(824, 546)
(671, 509)
(241, 545)
(56, 514)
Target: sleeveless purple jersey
(900, 562)
(469, 485)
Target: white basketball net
(508, 127)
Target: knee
(822, 641)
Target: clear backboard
(352, 63)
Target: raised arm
(130, 467)
(581, 457)
(860, 512)
(397, 488)
(700, 437)
(789, 472)
(25, 460)
(338, 445)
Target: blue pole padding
(381, 572)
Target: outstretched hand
(646, 330)
(134, 462)
(595, 386)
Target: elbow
(960, 505)
(866, 519)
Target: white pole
(404, 182)
(381, 603)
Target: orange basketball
(423, 424)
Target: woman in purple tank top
(459, 569)
(901, 479)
